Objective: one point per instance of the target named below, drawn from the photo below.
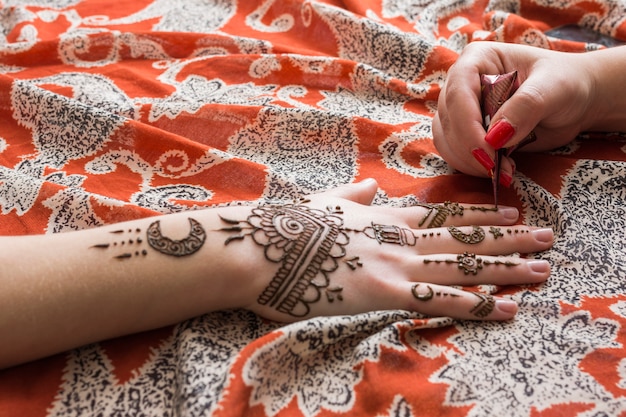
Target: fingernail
(539, 266)
(484, 159)
(499, 134)
(505, 179)
(543, 235)
(506, 306)
(508, 213)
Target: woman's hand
(558, 97)
(336, 254)
(332, 254)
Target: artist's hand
(554, 99)
(337, 254)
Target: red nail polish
(499, 134)
(505, 179)
(484, 159)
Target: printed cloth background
(115, 110)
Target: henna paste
(477, 235)
(390, 234)
(442, 211)
(354, 263)
(495, 231)
(485, 305)
(470, 263)
(183, 247)
(125, 244)
(430, 294)
(306, 243)
(422, 297)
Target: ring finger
(436, 300)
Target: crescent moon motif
(183, 247)
(423, 297)
(477, 235)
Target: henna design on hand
(495, 231)
(485, 305)
(354, 263)
(470, 263)
(306, 243)
(389, 234)
(477, 235)
(430, 294)
(442, 211)
(481, 309)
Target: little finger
(437, 300)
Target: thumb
(362, 192)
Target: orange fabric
(116, 110)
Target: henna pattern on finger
(470, 263)
(483, 308)
(496, 232)
(306, 242)
(477, 235)
(430, 294)
(485, 305)
(442, 211)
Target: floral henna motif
(306, 243)
(470, 263)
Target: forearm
(66, 290)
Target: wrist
(607, 98)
